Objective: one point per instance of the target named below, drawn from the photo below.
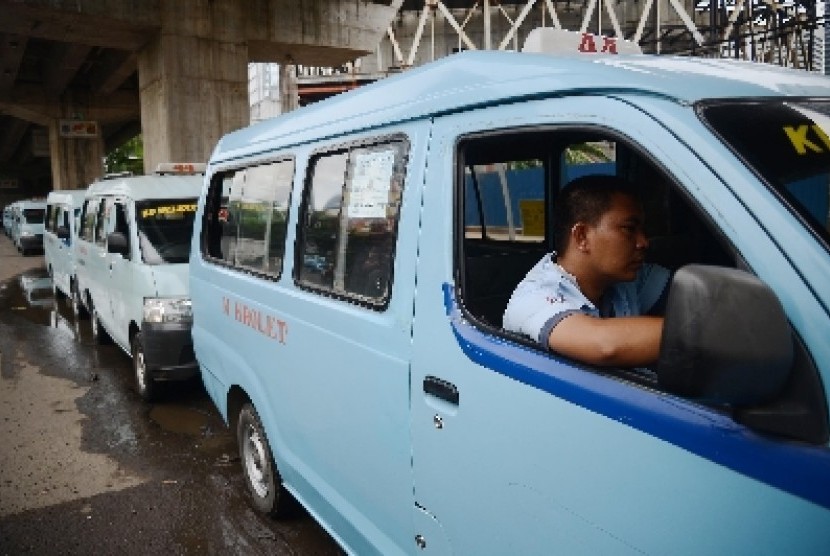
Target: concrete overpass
(78, 77)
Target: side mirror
(726, 338)
(62, 232)
(117, 243)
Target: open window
(507, 185)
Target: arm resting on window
(623, 341)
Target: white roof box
(547, 40)
(181, 168)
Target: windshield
(164, 230)
(34, 216)
(787, 143)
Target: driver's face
(618, 242)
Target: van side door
(517, 450)
(125, 276)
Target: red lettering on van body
(267, 325)
(609, 45)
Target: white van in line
(8, 218)
(131, 255)
(27, 225)
(63, 209)
(352, 261)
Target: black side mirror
(62, 232)
(117, 243)
(726, 338)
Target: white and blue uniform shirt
(548, 294)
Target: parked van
(132, 255)
(8, 216)
(27, 225)
(352, 261)
(63, 210)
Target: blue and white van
(27, 225)
(63, 209)
(131, 257)
(352, 261)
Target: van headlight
(168, 309)
(26, 233)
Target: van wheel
(261, 475)
(144, 383)
(98, 333)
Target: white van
(132, 255)
(352, 261)
(63, 209)
(8, 218)
(27, 225)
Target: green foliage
(129, 157)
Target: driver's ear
(579, 236)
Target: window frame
(396, 140)
(214, 198)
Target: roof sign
(181, 168)
(547, 40)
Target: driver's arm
(620, 341)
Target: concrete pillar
(76, 150)
(193, 81)
(289, 97)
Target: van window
(348, 222)
(247, 216)
(498, 254)
(34, 216)
(51, 218)
(88, 220)
(787, 144)
(100, 235)
(165, 227)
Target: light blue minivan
(352, 261)
(63, 210)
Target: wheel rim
(255, 462)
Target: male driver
(567, 300)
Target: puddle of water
(181, 420)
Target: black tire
(261, 475)
(145, 386)
(98, 333)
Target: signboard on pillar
(78, 129)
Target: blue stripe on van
(799, 469)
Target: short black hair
(585, 199)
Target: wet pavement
(87, 468)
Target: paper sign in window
(370, 184)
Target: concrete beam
(111, 71)
(62, 66)
(12, 48)
(107, 23)
(14, 130)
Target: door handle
(442, 389)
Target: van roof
(479, 78)
(74, 197)
(149, 187)
(31, 203)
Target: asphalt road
(87, 468)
